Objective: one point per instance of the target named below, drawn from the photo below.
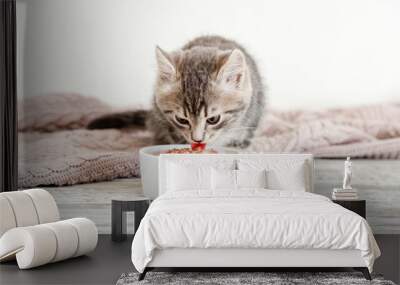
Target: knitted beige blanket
(56, 149)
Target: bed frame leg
(364, 271)
(143, 274)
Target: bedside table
(356, 206)
(138, 205)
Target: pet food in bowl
(195, 148)
(149, 162)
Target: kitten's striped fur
(208, 91)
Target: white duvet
(250, 219)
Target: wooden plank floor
(377, 181)
(93, 200)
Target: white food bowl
(149, 165)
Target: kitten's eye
(181, 121)
(214, 120)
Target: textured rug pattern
(243, 278)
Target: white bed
(283, 225)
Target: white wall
(312, 53)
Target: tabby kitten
(209, 91)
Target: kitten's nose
(197, 138)
(198, 133)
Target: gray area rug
(269, 278)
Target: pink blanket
(363, 132)
(55, 149)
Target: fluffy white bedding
(250, 219)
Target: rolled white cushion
(33, 246)
(7, 218)
(26, 208)
(46, 207)
(67, 239)
(23, 208)
(41, 244)
(87, 234)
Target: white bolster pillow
(26, 208)
(45, 206)
(22, 208)
(7, 217)
(40, 244)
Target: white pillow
(293, 180)
(223, 179)
(227, 179)
(251, 179)
(184, 177)
(282, 174)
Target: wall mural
(89, 100)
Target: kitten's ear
(232, 71)
(166, 67)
